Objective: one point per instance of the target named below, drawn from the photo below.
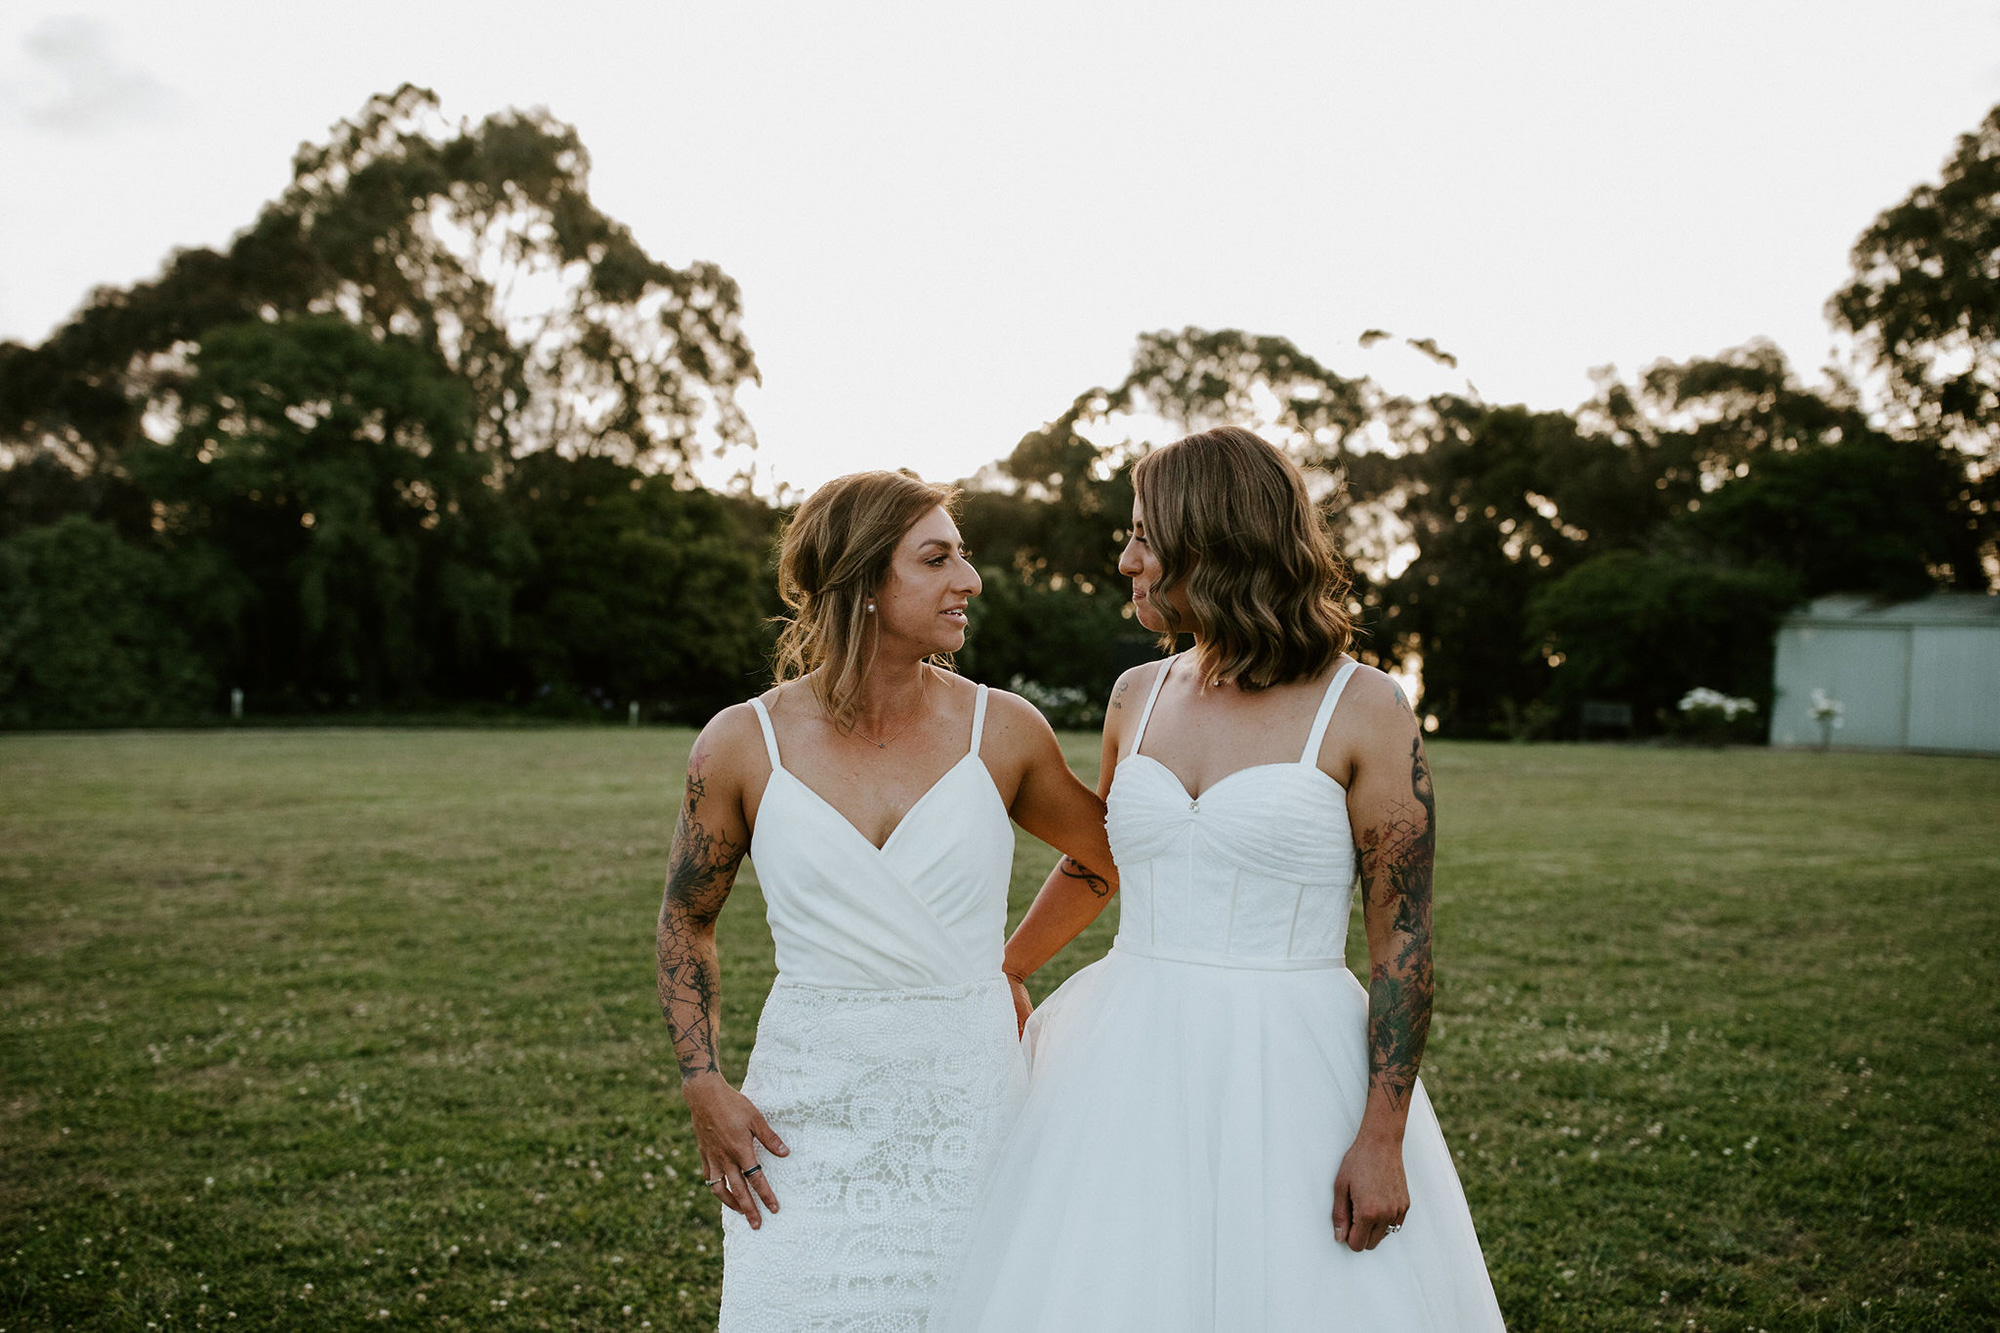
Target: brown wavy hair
(833, 557)
(1228, 518)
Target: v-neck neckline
(855, 829)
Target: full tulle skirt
(1173, 1168)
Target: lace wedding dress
(1193, 1093)
(886, 1057)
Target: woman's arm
(1083, 881)
(710, 839)
(1394, 815)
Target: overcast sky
(949, 220)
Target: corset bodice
(1258, 871)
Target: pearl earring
(871, 608)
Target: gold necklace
(884, 744)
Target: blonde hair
(834, 555)
(1228, 516)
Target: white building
(1922, 675)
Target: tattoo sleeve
(700, 871)
(1071, 868)
(1396, 857)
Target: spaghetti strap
(1146, 715)
(770, 736)
(1334, 689)
(978, 719)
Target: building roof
(1943, 608)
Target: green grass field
(307, 1029)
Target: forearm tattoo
(1090, 879)
(1396, 858)
(700, 871)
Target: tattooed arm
(1391, 807)
(709, 843)
(1083, 881)
(1396, 854)
(710, 838)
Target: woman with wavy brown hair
(873, 789)
(1223, 1130)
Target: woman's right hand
(727, 1130)
(1023, 1006)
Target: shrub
(1063, 705)
(1645, 629)
(1714, 718)
(88, 636)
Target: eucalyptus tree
(1048, 522)
(1924, 306)
(479, 243)
(316, 425)
(1180, 381)
(330, 484)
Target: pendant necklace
(884, 744)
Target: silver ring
(713, 1183)
(752, 1171)
(1395, 1227)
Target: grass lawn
(305, 1029)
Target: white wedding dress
(886, 1057)
(1192, 1093)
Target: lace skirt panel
(894, 1105)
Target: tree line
(422, 438)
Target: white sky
(948, 220)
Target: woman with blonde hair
(1223, 1130)
(873, 789)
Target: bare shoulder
(1132, 687)
(1134, 680)
(1013, 721)
(1128, 696)
(730, 748)
(1374, 700)
(1374, 721)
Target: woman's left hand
(1370, 1193)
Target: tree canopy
(319, 428)
(1924, 308)
(478, 243)
(1925, 296)
(424, 434)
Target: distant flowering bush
(1063, 705)
(1712, 717)
(1730, 707)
